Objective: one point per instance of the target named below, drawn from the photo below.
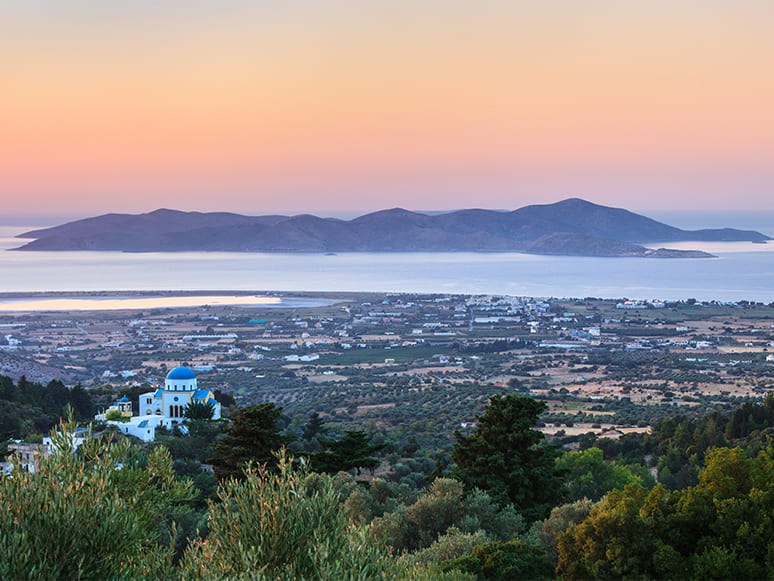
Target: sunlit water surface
(740, 271)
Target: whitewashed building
(166, 407)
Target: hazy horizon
(347, 107)
(689, 220)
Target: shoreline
(135, 293)
(64, 301)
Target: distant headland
(572, 227)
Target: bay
(742, 271)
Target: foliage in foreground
(280, 524)
(107, 511)
(484, 558)
(94, 514)
(271, 525)
(97, 513)
(720, 529)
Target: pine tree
(315, 427)
(508, 459)
(199, 410)
(253, 436)
(353, 451)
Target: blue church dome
(181, 373)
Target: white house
(166, 407)
(30, 454)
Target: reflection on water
(114, 304)
(717, 247)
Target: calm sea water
(741, 271)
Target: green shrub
(115, 416)
(545, 533)
(93, 514)
(451, 545)
(441, 506)
(504, 562)
(272, 525)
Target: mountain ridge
(569, 227)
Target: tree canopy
(587, 475)
(315, 427)
(353, 451)
(718, 529)
(28, 407)
(199, 410)
(252, 436)
(509, 459)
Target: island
(572, 227)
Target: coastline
(43, 301)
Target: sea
(741, 271)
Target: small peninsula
(572, 227)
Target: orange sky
(348, 106)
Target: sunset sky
(338, 107)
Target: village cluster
(553, 349)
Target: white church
(163, 407)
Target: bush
(443, 505)
(545, 533)
(504, 562)
(451, 545)
(89, 515)
(115, 416)
(272, 526)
